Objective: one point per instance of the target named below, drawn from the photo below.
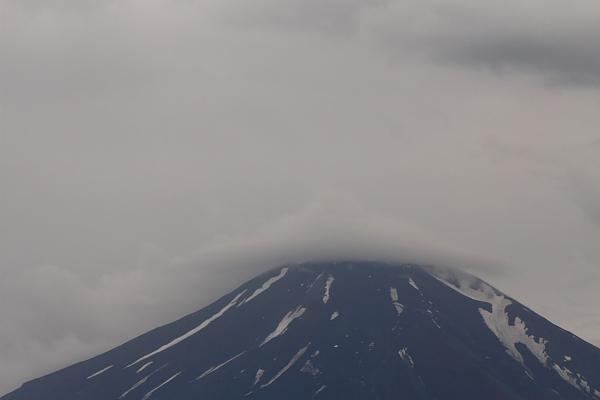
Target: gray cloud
(586, 194)
(553, 41)
(59, 318)
(156, 154)
(330, 16)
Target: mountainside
(351, 330)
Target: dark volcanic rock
(351, 330)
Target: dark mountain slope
(343, 331)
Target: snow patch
(143, 367)
(413, 284)
(315, 281)
(192, 332)
(406, 358)
(258, 375)
(510, 335)
(530, 375)
(394, 296)
(567, 375)
(319, 391)
(99, 372)
(334, 316)
(310, 368)
(497, 320)
(134, 386)
(265, 285)
(159, 386)
(283, 325)
(583, 383)
(289, 364)
(327, 287)
(140, 382)
(213, 369)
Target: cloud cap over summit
(147, 145)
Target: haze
(155, 154)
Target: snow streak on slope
(577, 381)
(292, 361)
(394, 296)
(315, 281)
(140, 382)
(265, 285)
(406, 358)
(99, 372)
(320, 390)
(282, 327)
(327, 287)
(213, 369)
(413, 284)
(258, 375)
(143, 367)
(125, 393)
(161, 385)
(190, 333)
(497, 320)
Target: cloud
(333, 17)
(552, 40)
(50, 316)
(585, 190)
(157, 153)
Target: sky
(156, 154)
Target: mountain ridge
(354, 330)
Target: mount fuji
(345, 330)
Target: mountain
(347, 330)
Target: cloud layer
(155, 154)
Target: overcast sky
(158, 153)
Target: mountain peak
(343, 330)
